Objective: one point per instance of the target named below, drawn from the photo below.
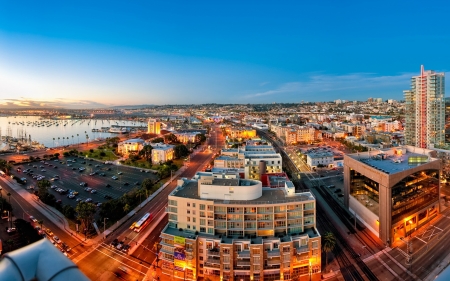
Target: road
(23, 209)
(105, 263)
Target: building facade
(393, 191)
(425, 110)
(154, 126)
(162, 152)
(130, 146)
(234, 229)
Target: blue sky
(79, 54)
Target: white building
(260, 159)
(130, 146)
(162, 152)
(313, 160)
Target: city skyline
(61, 55)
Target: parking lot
(87, 178)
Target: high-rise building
(425, 110)
(235, 229)
(154, 126)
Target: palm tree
(126, 208)
(328, 245)
(58, 140)
(78, 136)
(72, 139)
(53, 142)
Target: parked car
(115, 242)
(120, 245)
(107, 196)
(337, 190)
(56, 239)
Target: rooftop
(269, 195)
(390, 162)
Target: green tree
(180, 151)
(170, 138)
(200, 138)
(328, 245)
(85, 213)
(126, 208)
(147, 184)
(43, 186)
(157, 140)
(146, 152)
(27, 233)
(68, 211)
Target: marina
(22, 133)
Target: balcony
(243, 254)
(214, 252)
(212, 260)
(274, 262)
(273, 253)
(211, 265)
(302, 250)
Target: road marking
(133, 269)
(437, 228)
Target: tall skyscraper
(425, 110)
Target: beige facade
(154, 126)
(233, 229)
(253, 157)
(130, 146)
(162, 153)
(394, 191)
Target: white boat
(118, 130)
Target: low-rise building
(130, 146)
(324, 159)
(162, 152)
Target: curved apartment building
(234, 229)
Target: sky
(79, 54)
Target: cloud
(55, 103)
(328, 87)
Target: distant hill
(132, 106)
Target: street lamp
(104, 228)
(184, 270)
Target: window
(202, 206)
(193, 205)
(193, 212)
(193, 219)
(188, 226)
(202, 221)
(211, 230)
(201, 258)
(188, 219)
(202, 229)
(188, 204)
(193, 227)
(202, 214)
(188, 211)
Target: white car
(88, 200)
(56, 239)
(33, 219)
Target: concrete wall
(225, 192)
(368, 218)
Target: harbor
(25, 133)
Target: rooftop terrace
(390, 163)
(269, 195)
